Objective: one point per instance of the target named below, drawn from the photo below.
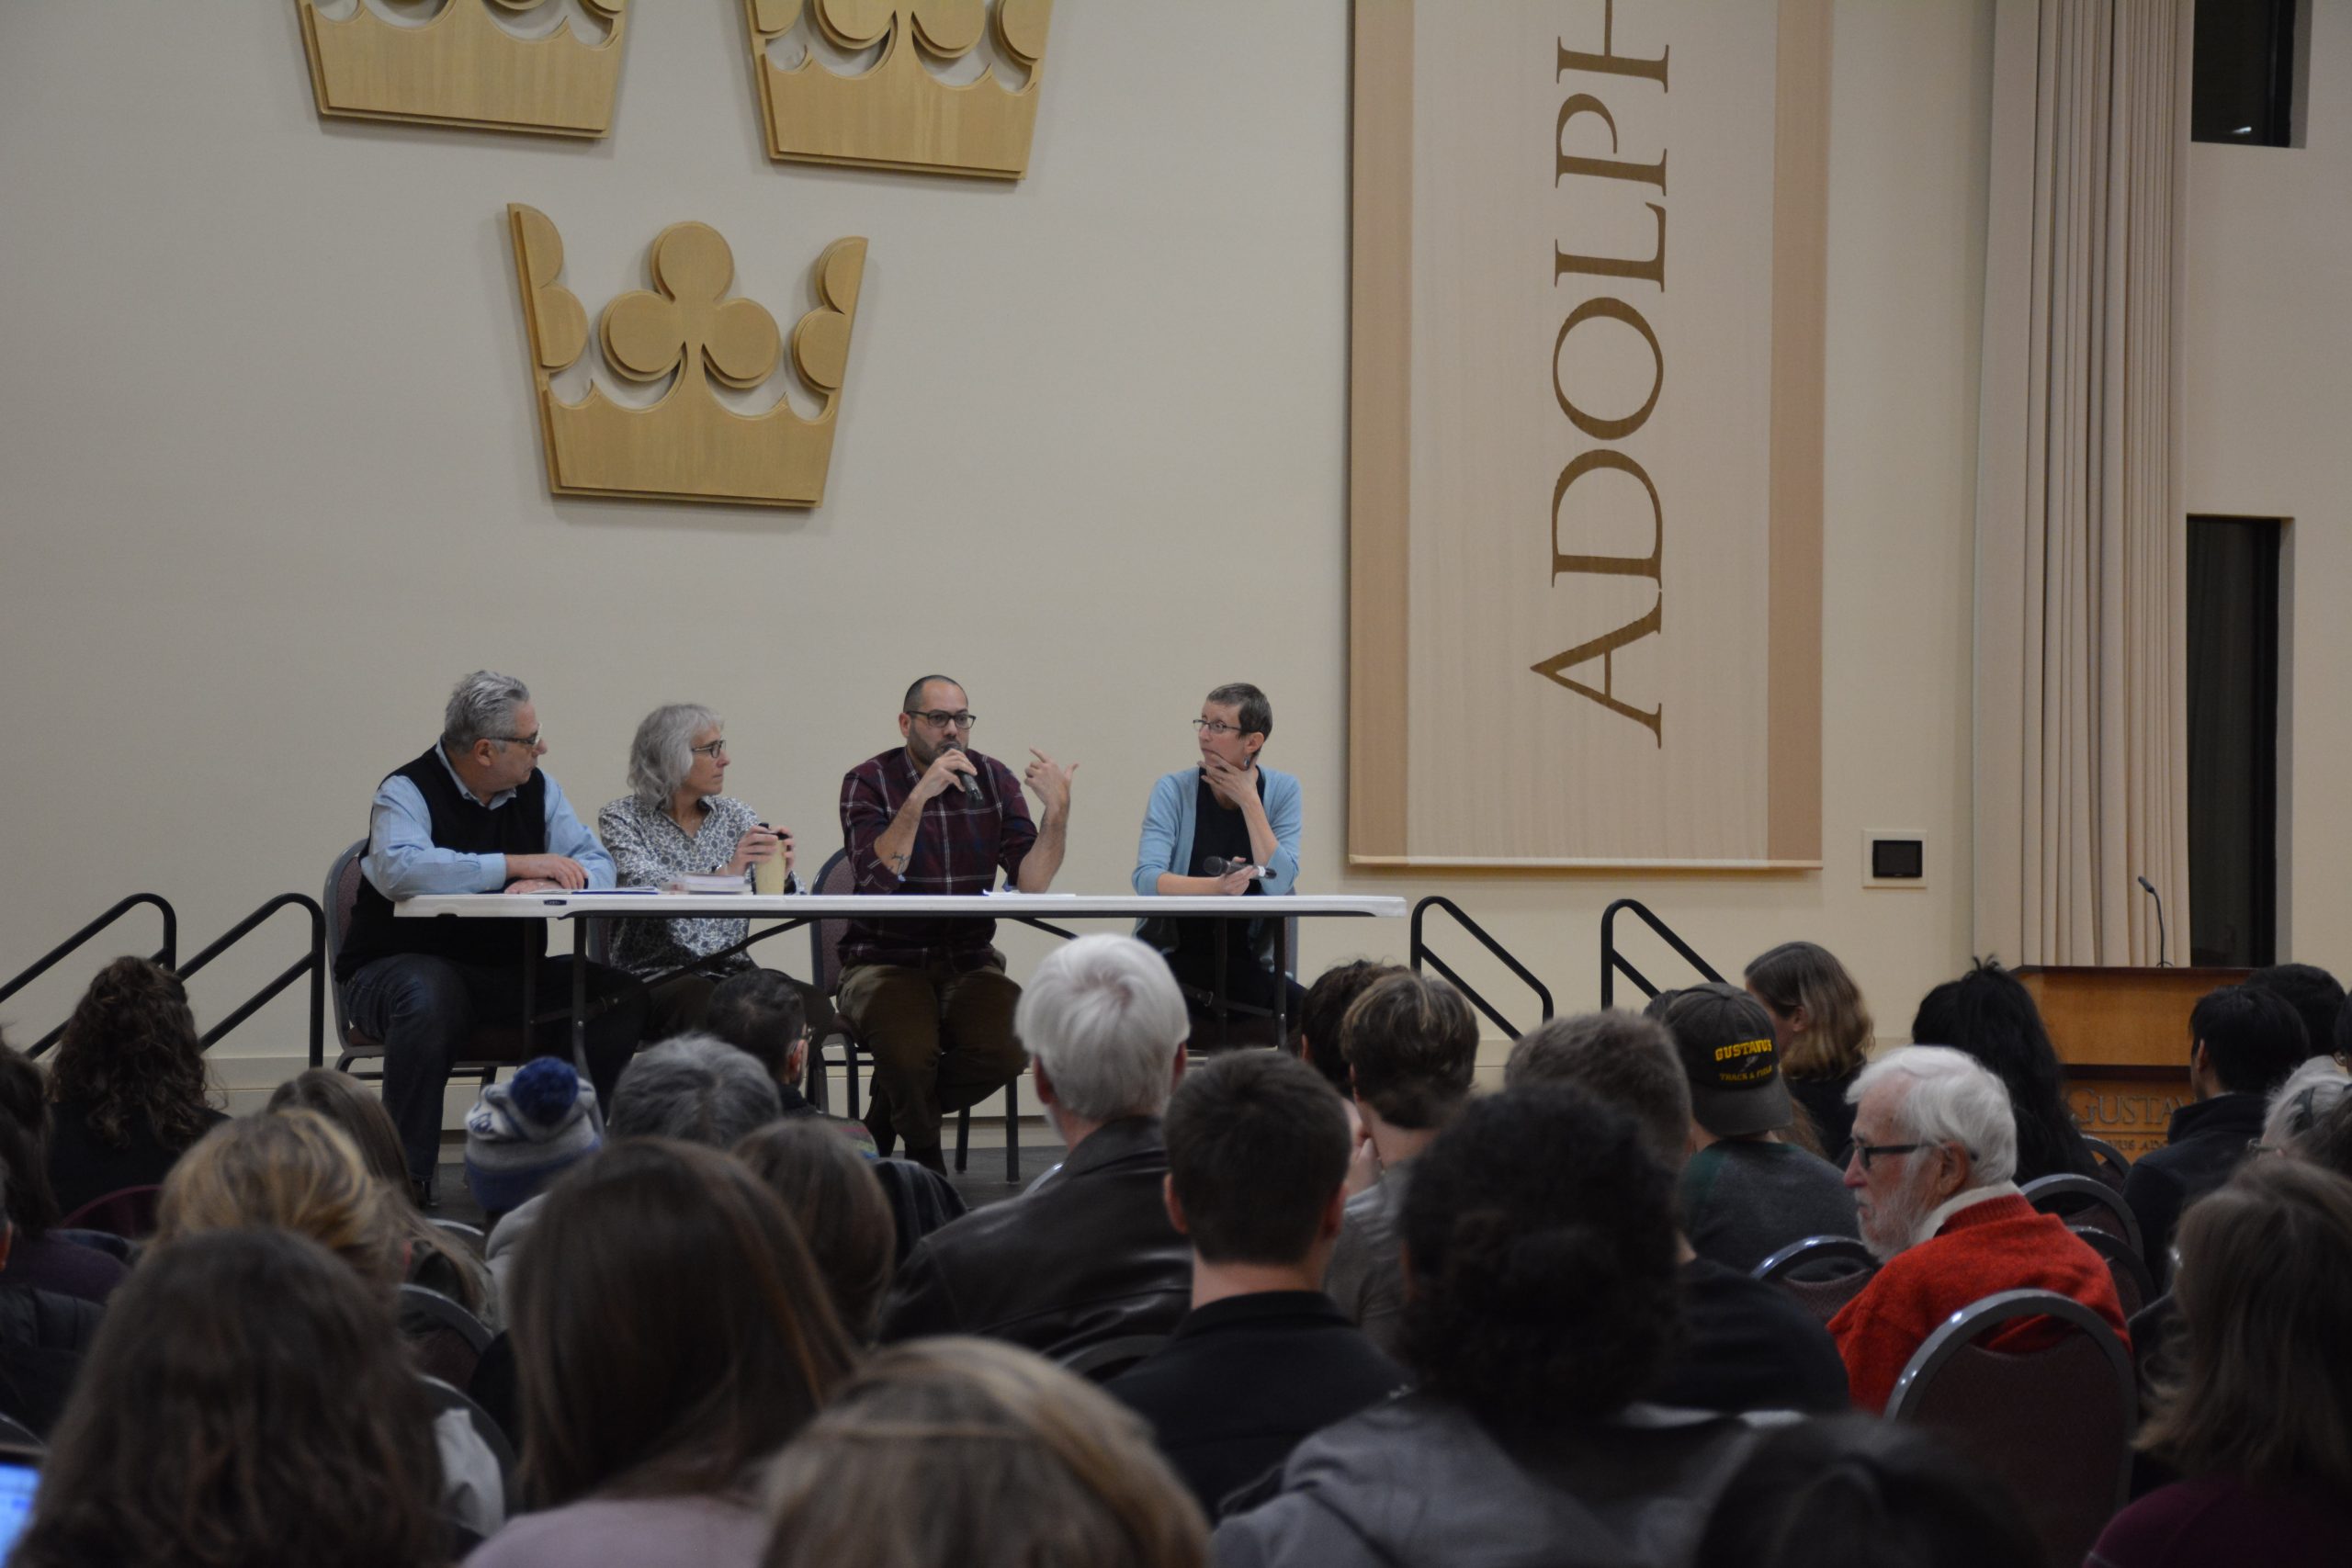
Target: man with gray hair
(1935, 1145)
(474, 814)
(1090, 1255)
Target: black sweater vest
(461, 823)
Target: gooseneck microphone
(2162, 963)
(972, 782)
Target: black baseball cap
(1725, 1038)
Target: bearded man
(1934, 1145)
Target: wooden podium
(2123, 1034)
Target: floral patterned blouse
(648, 850)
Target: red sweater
(1999, 1244)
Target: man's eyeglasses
(714, 751)
(1218, 727)
(940, 719)
(1868, 1152)
(531, 739)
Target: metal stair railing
(312, 963)
(166, 955)
(1611, 961)
(1422, 955)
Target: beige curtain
(2082, 781)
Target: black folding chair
(1823, 1272)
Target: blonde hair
(293, 1169)
(1836, 1038)
(977, 1454)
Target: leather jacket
(1087, 1257)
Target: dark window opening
(2242, 73)
(2233, 741)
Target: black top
(1825, 1101)
(84, 1167)
(1750, 1346)
(1221, 833)
(1244, 1379)
(43, 1337)
(519, 827)
(2207, 1141)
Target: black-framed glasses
(531, 739)
(714, 751)
(939, 718)
(1218, 727)
(1868, 1152)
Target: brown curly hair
(129, 1057)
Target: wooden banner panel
(1586, 410)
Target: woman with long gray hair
(676, 822)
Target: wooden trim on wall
(1379, 425)
(1800, 323)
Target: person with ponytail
(1540, 1252)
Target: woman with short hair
(676, 822)
(128, 1090)
(969, 1453)
(670, 1332)
(2258, 1422)
(247, 1405)
(1822, 1028)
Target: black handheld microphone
(2162, 963)
(972, 782)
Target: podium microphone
(972, 782)
(2162, 963)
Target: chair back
(446, 1341)
(2085, 1202)
(447, 1397)
(340, 894)
(2113, 1164)
(1102, 1363)
(2054, 1424)
(1823, 1272)
(128, 1213)
(15, 1434)
(2134, 1287)
(836, 877)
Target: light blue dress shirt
(403, 861)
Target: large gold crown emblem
(687, 446)
(898, 115)
(462, 68)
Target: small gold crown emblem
(898, 115)
(687, 446)
(462, 68)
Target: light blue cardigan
(1169, 820)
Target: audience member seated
(673, 823)
(838, 1206)
(1988, 1014)
(43, 1336)
(1822, 1028)
(247, 1405)
(299, 1172)
(1411, 1047)
(760, 1011)
(1540, 1233)
(435, 1260)
(471, 814)
(2315, 995)
(2258, 1422)
(1746, 1192)
(1257, 1154)
(1228, 810)
(2246, 1040)
(128, 1085)
(41, 1256)
(1935, 1143)
(693, 1088)
(670, 1332)
(1854, 1492)
(2328, 1143)
(1747, 1344)
(1089, 1255)
(959, 1453)
(2299, 1104)
(522, 1133)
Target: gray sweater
(1743, 1201)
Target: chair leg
(1013, 1133)
(963, 1138)
(820, 1096)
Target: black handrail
(1422, 956)
(314, 963)
(1612, 961)
(164, 955)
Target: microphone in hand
(972, 782)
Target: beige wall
(271, 479)
(2269, 384)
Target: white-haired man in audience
(1090, 1255)
(1934, 1145)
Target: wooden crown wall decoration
(687, 446)
(898, 115)
(462, 68)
